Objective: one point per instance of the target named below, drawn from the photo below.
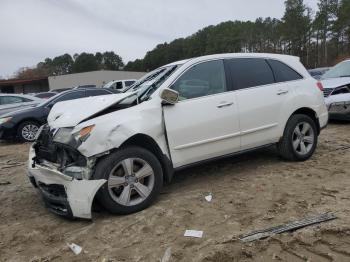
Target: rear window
(249, 72)
(283, 73)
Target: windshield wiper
(345, 76)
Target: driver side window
(204, 79)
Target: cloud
(35, 29)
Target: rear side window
(249, 72)
(283, 73)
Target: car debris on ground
(193, 233)
(264, 233)
(209, 197)
(75, 248)
(167, 255)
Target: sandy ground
(252, 191)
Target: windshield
(145, 87)
(340, 70)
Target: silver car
(13, 102)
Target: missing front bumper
(63, 194)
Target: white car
(336, 84)
(13, 102)
(121, 148)
(120, 85)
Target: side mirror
(169, 96)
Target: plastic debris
(75, 248)
(260, 234)
(209, 197)
(193, 233)
(167, 255)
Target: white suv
(121, 148)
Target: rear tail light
(320, 86)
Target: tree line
(319, 39)
(78, 63)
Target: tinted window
(129, 83)
(249, 72)
(201, 80)
(71, 96)
(100, 92)
(283, 72)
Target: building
(43, 84)
(24, 86)
(97, 78)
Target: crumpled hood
(72, 112)
(335, 82)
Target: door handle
(225, 104)
(282, 92)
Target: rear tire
(299, 140)
(27, 130)
(134, 180)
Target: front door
(204, 124)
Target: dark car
(24, 124)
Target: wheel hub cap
(303, 138)
(131, 181)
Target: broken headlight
(63, 135)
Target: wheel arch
(310, 113)
(151, 145)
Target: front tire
(134, 180)
(299, 140)
(27, 130)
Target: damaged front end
(338, 103)
(62, 173)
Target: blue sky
(35, 29)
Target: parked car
(45, 95)
(317, 73)
(13, 102)
(125, 146)
(24, 124)
(336, 84)
(120, 85)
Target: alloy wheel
(29, 132)
(131, 181)
(303, 138)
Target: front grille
(327, 92)
(64, 155)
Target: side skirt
(222, 157)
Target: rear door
(204, 124)
(260, 100)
